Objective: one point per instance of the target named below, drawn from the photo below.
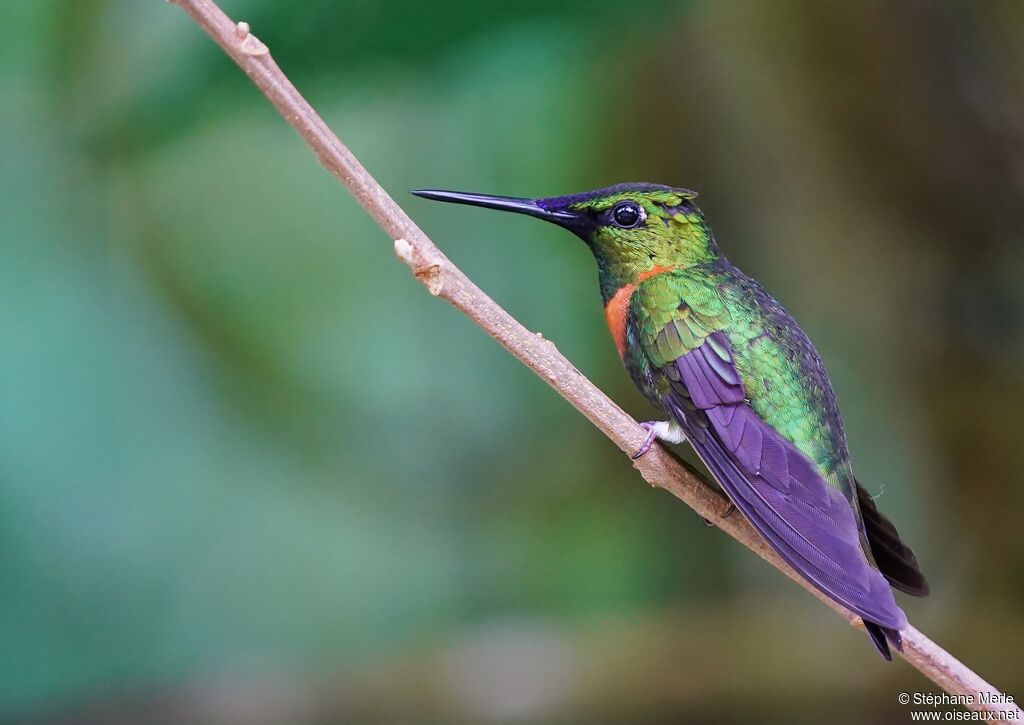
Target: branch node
(404, 251)
(427, 271)
(432, 278)
(250, 44)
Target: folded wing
(781, 492)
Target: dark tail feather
(882, 637)
(883, 537)
(894, 558)
(877, 636)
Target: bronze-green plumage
(741, 382)
(777, 370)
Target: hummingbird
(737, 378)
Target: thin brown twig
(443, 279)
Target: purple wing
(781, 492)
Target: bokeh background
(251, 473)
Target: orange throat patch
(617, 309)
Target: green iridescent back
(673, 312)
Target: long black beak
(504, 203)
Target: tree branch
(443, 279)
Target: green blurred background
(251, 473)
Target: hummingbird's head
(631, 228)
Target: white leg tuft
(668, 431)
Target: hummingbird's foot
(662, 430)
(727, 514)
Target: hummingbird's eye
(628, 214)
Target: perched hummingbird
(740, 381)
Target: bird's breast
(616, 311)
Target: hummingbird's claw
(662, 430)
(727, 514)
(648, 441)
